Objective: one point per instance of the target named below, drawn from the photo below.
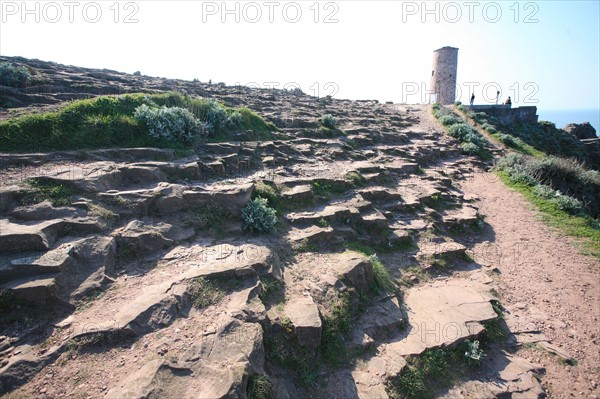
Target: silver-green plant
(257, 216)
(173, 124)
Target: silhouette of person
(472, 99)
(508, 102)
(497, 96)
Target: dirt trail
(544, 280)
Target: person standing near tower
(497, 96)
(472, 99)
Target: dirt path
(544, 280)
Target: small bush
(470, 149)
(460, 130)
(15, 76)
(259, 387)
(568, 204)
(507, 139)
(449, 120)
(543, 191)
(472, 352)
(173, 124)
(329, 121)
(257, 216)
(489, 128)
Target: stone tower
(443, 76)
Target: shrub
(489, 128)
(472, 352)
(543, 191)
(448, 120)
(329, 121)
(173, 124)
(257, 216)
(470, 148)
(15, 76)
(568, 204)
(507, 139)
(466, 134)
(259, 387)
(213, 114)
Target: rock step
(168, 198)
(304, 315)
(28, 237)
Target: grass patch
(46, 189)
(517, 144)
(584, 229)
(283, 350)
(329, 189)
(211, 217)
(206, 291)
(109, 121)
(272, 290)
(381, 276)
(433, 370)
(268, 190)
(418, 272)
(259, 387)
(357, 179)
(335, 327)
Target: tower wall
(443, 76)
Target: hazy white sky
(544, 53)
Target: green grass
(357, 179)
(381, 276)
(433, 370)
(45, 189)
(329, 189)
(518, 145)
(259, 387)
(335, 327)
(584, 229)
(108, 121)
(211, 217)
(272, 290)
(210, 291)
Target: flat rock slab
(465, 216)
(45, 211)
(91, 177)
(217, 367)
(28, 237)
(299, 193)
(304, 315)
(442, 313)
(313, 234)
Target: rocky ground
(115, 277)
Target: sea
(562, 117)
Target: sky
(543, 53)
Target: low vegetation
(257, 216)
(132, 120)
(559, 210)
(535, 139)
(471, 142)
(45, 189)
(329, 121)
(259, 387)
(205, 291)
(14, 75)
(435, 369)
(564, 182)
